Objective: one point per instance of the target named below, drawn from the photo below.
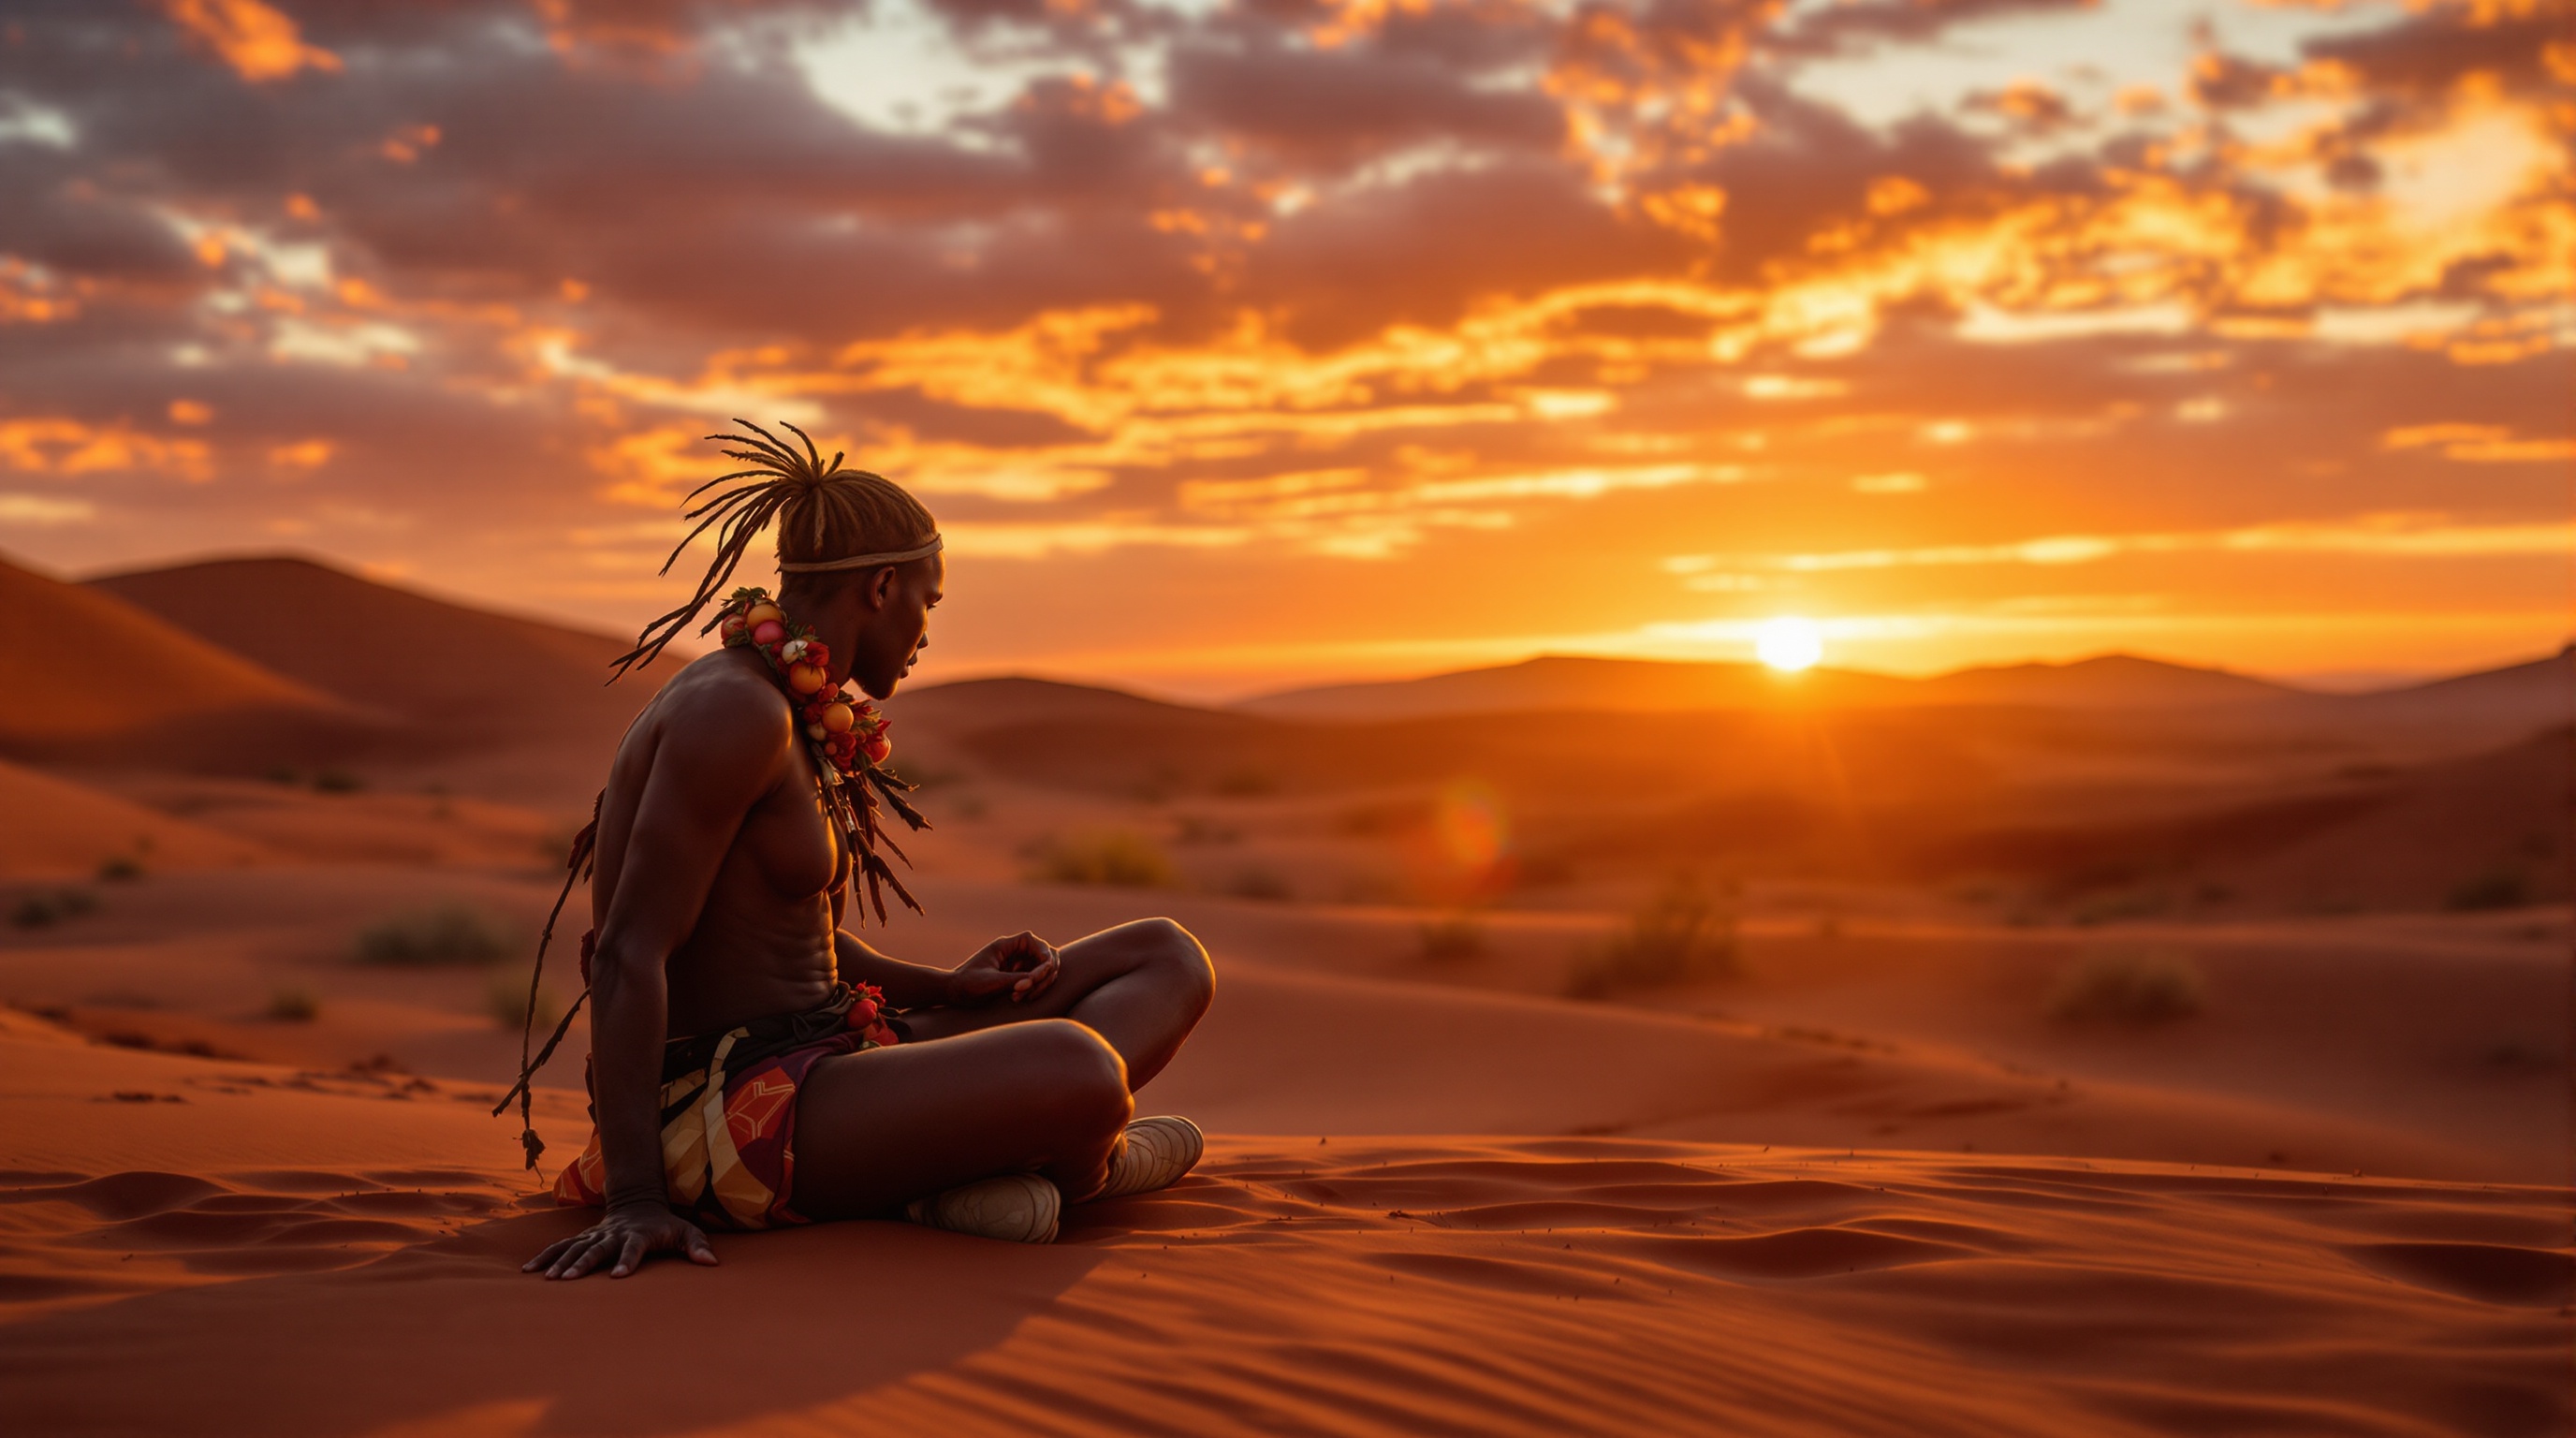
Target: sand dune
(302, 1253)
(84, 675)
(52, 827)
(463, 677)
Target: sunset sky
(1255, 342)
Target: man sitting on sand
(742, 1075)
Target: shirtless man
(718, 901)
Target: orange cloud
(69, 447)
(30, 296)
(258, 42)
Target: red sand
(288, 1254)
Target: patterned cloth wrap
(729, 1113)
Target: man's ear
(879, 590)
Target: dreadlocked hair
(823, 512)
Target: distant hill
(2522, 696)
(86, 676)
(1569, 682)
(1565, 682)
(2104, 681)
(463, 678)
(978, 703)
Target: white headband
(862, 561)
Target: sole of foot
(1155, 1153)
(1015, 1208)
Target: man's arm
(1019, 967)
(719, 750)
(905, 986)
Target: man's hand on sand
(1021, 966)
(628, 1235)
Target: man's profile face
(898, 629)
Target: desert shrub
(1544, 871)
(2129, 986)
(1259, 884)
(1114, 857)
(337, 781)
(1194, 829)
(1452, 939)
(37, 911)
(294, 1006)
(2495, 889)
(119, 869)
(1364, 821)
(2109, 908)
(1683, 932)
(1246, 782)
(505, 998)
(283, 774)
(447, 934)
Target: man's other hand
(628, 1235)
(1021, 966)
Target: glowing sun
(1789, 643)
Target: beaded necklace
(844, 733)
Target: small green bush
(447, 934)
(1196, 830)
(2495, 889)
(2141, 987)
(1259, 884)
(1246, 782)
(1115, 858)
(1683, 932)
(294, 1006)
(1452, 939)
(38, 911)
(505, 998)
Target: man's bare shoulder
(720, 708)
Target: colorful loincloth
(729, 1113)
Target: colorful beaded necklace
(844, 733)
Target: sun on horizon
(1789, 644)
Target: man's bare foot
(1153, 1154)
(1016, 1208)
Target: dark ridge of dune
(2489, 830)
(1019, 699)
(1570, 682)
(465, 678)
(86, 676)
(2517, 697)
(2103, 681)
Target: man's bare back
(763, 940)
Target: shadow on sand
(452, 1330)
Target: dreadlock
(823, 511)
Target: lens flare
(1790, 643)
(1469, 822)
